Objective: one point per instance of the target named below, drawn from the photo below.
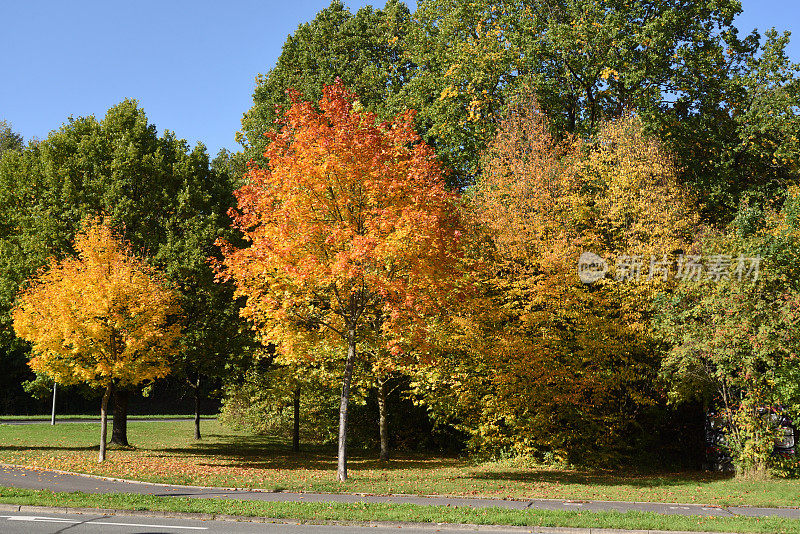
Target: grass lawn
(92, 416)
(166, 452)
(402, 512)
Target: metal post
(53, 415)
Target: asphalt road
(47, 523)
(51, 480)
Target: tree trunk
(119, 434)
(382, 421)
(53, 413)
(296, 429)
(104, 423)
(341, 471)
(197, 408)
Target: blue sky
(191, 65)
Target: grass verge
(167, 452)
(401, 512)
(93, 416)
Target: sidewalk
(18, 477)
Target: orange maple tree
(351, 231)
(104, 318)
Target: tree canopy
(104, 318)
(697, 84)
(364, 50)
(9, 139)
(351, 232)
(171, 202)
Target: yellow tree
(569, 364)
(104, 318)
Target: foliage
(364, 50)
(723, 105)
(586, 61)
(103, 318)
(9, 139)
(351, 233)
(733, 341)
(261, 401)
(165, 195)
(544, 364)
(735, 135)
(346, 209)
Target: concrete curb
(225, 517)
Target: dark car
(718, 457)
(785, 442)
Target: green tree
(166, 196)
(722, 104)
(738, 137)
(733, 336)
(363, 50)
(9, 139)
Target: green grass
(166, 452)
(402, 512)
(91, 416)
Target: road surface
(52, 523)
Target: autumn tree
(349, 226)
(170, 199)
(542, 363)
(105, 317)
(363, 49)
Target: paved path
(11, 476)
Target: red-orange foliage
(350, 230)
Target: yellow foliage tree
(105, 317)
(568, 365)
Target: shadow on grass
(258, 452)
(270, 453)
